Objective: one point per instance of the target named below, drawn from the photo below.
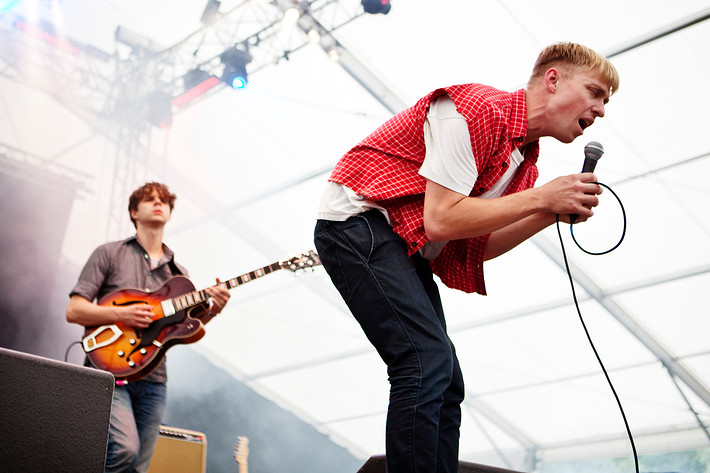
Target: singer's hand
(575, 194)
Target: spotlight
(291, 16)
(235, 67)
(314, 36)
(376, 6)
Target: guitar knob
(143, 351)
(132, 341)
(121, 353)
(131, 364)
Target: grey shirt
(126, 264)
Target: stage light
(314, 36)
(377, 6)
(334, 55)
(6, 5)
(291, 16)
(235, 67)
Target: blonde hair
(576, 56)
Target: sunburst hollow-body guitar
(179, 315)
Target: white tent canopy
(249, 165)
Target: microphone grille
(594, 148)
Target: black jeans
(396, 302)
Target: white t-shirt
(449, 162)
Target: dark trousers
(396, 301)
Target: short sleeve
(449, 160)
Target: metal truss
(118, 86)
(122, 95)
(15, 162)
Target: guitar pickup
(168, 308)
(91, 343)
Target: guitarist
(142, 261)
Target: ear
(133, 214)
(552, 78)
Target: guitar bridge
(90, 342)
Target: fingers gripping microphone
(592, 152)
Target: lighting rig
(143, 84)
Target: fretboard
(191, 299)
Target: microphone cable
(579, 312)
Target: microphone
(592, 152)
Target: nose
(598, 109)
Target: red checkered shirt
(384, 168)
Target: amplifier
(179, 451)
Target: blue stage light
(239, 82)
(235, 67)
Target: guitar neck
(241, 452)
(195, 298)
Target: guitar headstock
(306, 260)
(241, 450)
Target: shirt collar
(167, 252)
(518, 124)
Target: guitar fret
(250, 276)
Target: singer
(438, 189)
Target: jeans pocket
(358, 233)
(344, 247)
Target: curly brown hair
(145, 191)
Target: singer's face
(579, 99)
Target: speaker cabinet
(179, 451)
(54, 416)
(377, 464)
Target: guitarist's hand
(220, 295)
(136, 315)
(88, 314)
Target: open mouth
(583, 123)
